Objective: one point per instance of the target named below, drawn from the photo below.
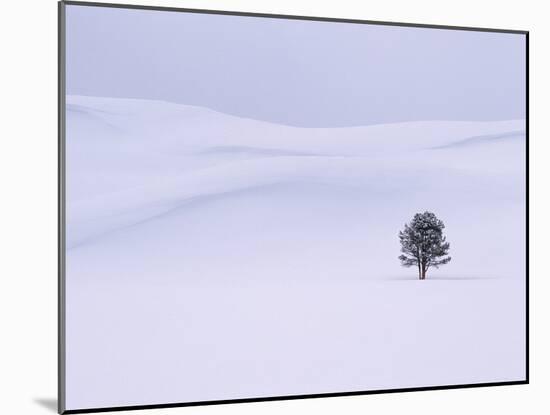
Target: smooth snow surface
(215, 257)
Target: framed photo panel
(259, 207)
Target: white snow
(216, 257)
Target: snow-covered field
(216, 257)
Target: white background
(28, 224)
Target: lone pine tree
(423, 243)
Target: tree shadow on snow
(442, 278)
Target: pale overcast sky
(304, 73)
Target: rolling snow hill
(216, 257)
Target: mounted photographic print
(258, 207)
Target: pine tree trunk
(423, 273)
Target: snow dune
(124, 166)
(216, 257)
